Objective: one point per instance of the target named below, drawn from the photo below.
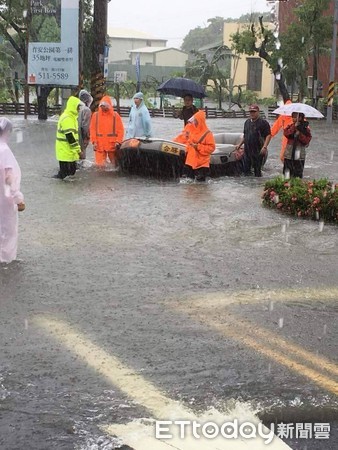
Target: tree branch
(253, 32)
(12, 24)
(18, 48)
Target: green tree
(315, 30)
(249, 18)
(200, 37)
(13, 28)
(48, 29)
(294, 55)
(13, 34)
(201, 44)
(308, 35)
(258, 39)
(5, 61)
(210, 70)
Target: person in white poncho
(85, 115)
(11, 199)
(139, 122)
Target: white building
(159, 56)
(156, 60)
(122, 41)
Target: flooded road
(197, 289)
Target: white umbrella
(307, 110)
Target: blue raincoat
(139, 124)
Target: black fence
(19, 108)
(211, 113)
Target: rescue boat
(164, 158)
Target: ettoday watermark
(167, 429)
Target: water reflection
(201, 194)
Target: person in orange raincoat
(106, 130)
(200, 143)
(280, 124)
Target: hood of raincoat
(201, 125)
(6, 127)
(106, 100)
(72, 105)
(85, 97)
(138, 95)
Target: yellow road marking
(265, 349)
(129, 382)
(207, 311)
(313, 359)
(251, 328)
(144, 393)
(215, 299)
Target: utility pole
(332, 65)
(100, 35)
(27, 17)
(81, 19)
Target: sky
(173, 19)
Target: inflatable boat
(165, 158)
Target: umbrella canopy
(182, 86)
(307, 110)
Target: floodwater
(127, 260)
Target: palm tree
(212, 69)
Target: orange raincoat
(281, 123)
(199, 140)
(106, 129)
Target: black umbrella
(181, 87)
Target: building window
(254, 75)
(148, 43)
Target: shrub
(268, 101)
(317, 199)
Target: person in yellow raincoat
(200, 143)
(280, 124)
(67, 147)
(106, 130)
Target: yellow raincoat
(68, 123)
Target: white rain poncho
(139, 123)
(10, 195)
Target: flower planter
(316, 199)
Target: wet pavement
(197, 289)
